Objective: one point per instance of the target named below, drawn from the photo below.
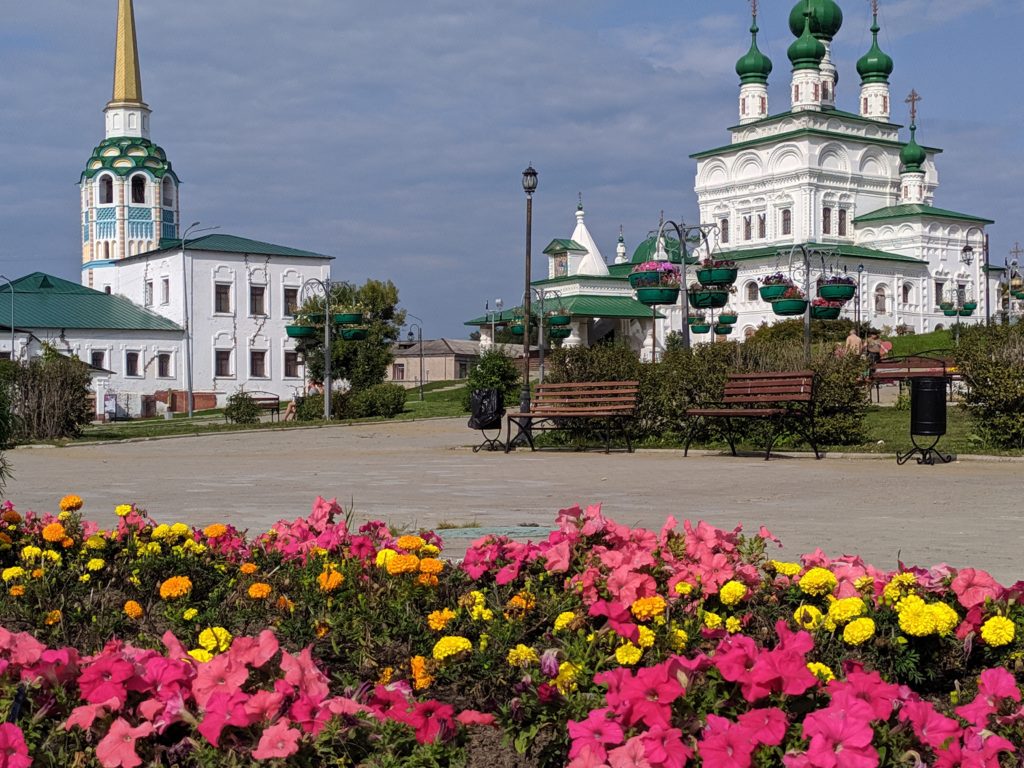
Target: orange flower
(410, 543)
(5, 539)
(176, 586)
(259, 591)
(330, 579)
(438, 620)
(67, 542)
(54, 532)
(385, 675)
(17, 590)
(431, 565)
(403, 564)
(37, 573)
(248, 568)
(11, 517)
(133, 610)
(427, 580)
(420, 677)
(321, 629)
(71, 503)
(215, 531)
(284, 604)
(53, 617)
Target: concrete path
(422, 473)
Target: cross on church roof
(753, 7)
(912, 100)
(1016, 251)
(874, 7)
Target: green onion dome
(806, 52)
(754, 66)
(875, 66)
(912, 157)
(124, 155)
(826, 18)
(648, 250)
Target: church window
(762, 225)
(106, 190)
(743, 106)
(787, 222)
(824, 90)
(97, 358)
(257, 364)
(751, 291)
(560, 265)
(864, 105)
(940, 288)
(131, 363)
(148, 297)
(908, 292)
(842, 222)
(257, 300)
(138, 189)
(163, 365)
(764, 105)
(165, 290)
(885, 103)
(168, 193)
(724, 227)
(222, 298)
(106, 288)
(880, 300)
(826, 221)
(796, 93)
(398, 372)
(291, 301)
(291, 365)
(816, 97)
(748, 230)
(222, 363)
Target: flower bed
(317, 644)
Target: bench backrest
(769, 387)
(587, 397)
(911, 366)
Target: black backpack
(486, 407)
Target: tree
(363, 363)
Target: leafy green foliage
(312, 407)
(387, 400)
(49, 396)
(495, 370)
(242, 409)
(991, 360)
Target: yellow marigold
(248, 568)
(430, 550)
(898, 586)
(821, 671)
(85, 578)
(96, 541)
(259, 591)
(628, 654)
(519, 604)
(914, 616)
(95, 564)
(54, 532)
(421, 677)
(71, 503)
(480, 613)
(859, 631)
(189, 614)
(679, 640)
(646, 638)
(384, 557)
(175, 587)
(946, 618)
(783, 568)
(53, 557)
(645, 608)
(563, 620)
(427, 580)
(200, 654)
(133, 610)
(215, 639)
(865, 584)
(683, 588)
(192, 546)
(846, 609)
(30, 552)
(818, 582)
(403, 564)
(123, 510)
(431, 565)
(162, 531)
(410, 543)
(712, 620)
(732, 592)
(565, 681)
(321, 629)
(17, 590)
(10, 574)
(438, 620)
(180, 529)
(215, 531)
(522, 656)
(451, 645)
(808, 617)
(53, 617)
(384, 678)
(998, 631)
(733, 625)
(330, 579)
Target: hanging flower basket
(708, 298)
(316, 317)
(722, 329)
(944, 305)
(348, 318)
(971, 305)
(696, 319)
(654, 274)
(965, 312)
(354, 334)
(717, 275)
(654, 296)
(789, 307)
(300, 331)
(558, 320)
(700, 328)
(837, 291)
(950, 312)
(727, 318)
(559, 332)
(824, 313)
(517, 329)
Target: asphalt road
(423, 473)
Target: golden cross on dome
(874, 7)
(912, 100)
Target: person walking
(854, 344)
(873, 348)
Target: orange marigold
(284, 604)
(5, 539)
(409, 543)
(17, 590)
(67, 542)
(54, 532)
(403, 564)
(11, 517)
(438, 620)
(37, 573)
(215, 531)
(427, 580)
(421, 678)
(385, 676)
(71, 503)
(431, 565)
(330, 579)
(176, 586)
(248, 568)
(133, 610)
(53, 617)
(321, 629)
(260, 591)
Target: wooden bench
(785, 398)
(266, 402)
(610, 402)
(897, 370)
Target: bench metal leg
(730, 437)
(694, 420)
(772, 437)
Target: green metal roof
(800, 133)
(231, 244)
(850, 251)
(910, 210)
(559, 245)
(616, 307)
(45, 301)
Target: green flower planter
(695, 320)
(299, 331)
(348, 318)
(825, 313)
(965, 312)
(971, 305)
(723, 330)
(728, 318)
(700, 328)
(316, 317)
(558, 320)
(772, 292)
(654, 296)
(789, 307)
(950, 312)
(354, 334)
(1019, 295)
(944, 305)
(709, 299)
(559, 332)
(717, 276)
(837, 291)
(517, 329)
(641, 279)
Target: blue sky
(392, 134)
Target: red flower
(430, 719)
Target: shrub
(841, 400)
(49, 397)
(312, 406)
(242, 409)
(496, 370)
(386, 400)
(991, 360)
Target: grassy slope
(924, 342)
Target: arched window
(787, 222)
(751, 291)
(138, 190)
(908, 292)
(826, 221)
(106, 190)
(880, 300)
(749, 331)
(106, 289)
(168, 192)
(724, 225)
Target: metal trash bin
(927, 418)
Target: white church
(852, 188)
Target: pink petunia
(277, 741)
(664, 748)
(932, 728)
(302, 672)
(629, 755)
(841, 738)
(13, 750)
(255, 651)
(470, 717)
(117, 748)
(595, 734)
(651, 693)
(105, 679)
(972, 587)
(430, 720)
(222, 674)
(725, 744)
(866, 687)
(85, 715)
(767, 725)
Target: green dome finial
(912, 156)
(875, 66)
(826, 18)
(754, 66)
(806, 52)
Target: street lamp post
(325, 286)
(419, 335)
(186, 294)
(967, 257)
(529, 187)
(806, 254)
(4, 277)
(860, 273)
(683, 231)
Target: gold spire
(127, 81)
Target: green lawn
(924, 342)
